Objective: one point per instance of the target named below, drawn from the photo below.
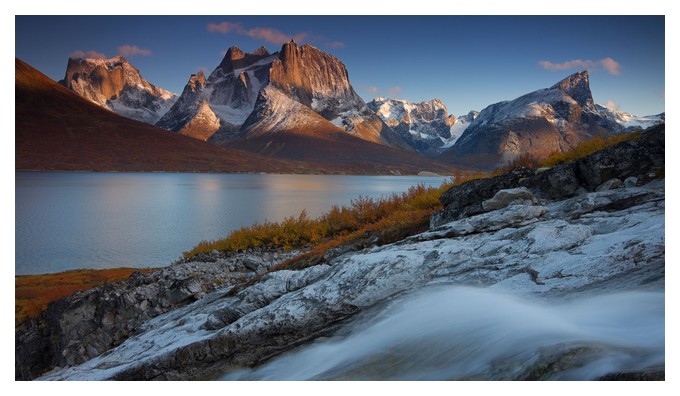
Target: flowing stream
(463, 333)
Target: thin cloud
(371, 89)
(268, 34)
(128, 50)
(335, 44)
(394, 91)
(611, 105)
(87, 54)
(226, 28)
(607, 64)
(572, 64)
(611, 66)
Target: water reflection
(100, 220)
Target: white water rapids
(462, 333)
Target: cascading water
(463, 333)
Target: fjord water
(464, 333)
(67, 220)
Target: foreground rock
(88, 323)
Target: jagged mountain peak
(196, 81)
(117, 85)
(235, 59)
(577, 86)
(262, 51)
(234, 53)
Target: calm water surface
(101, 220)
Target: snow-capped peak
(630, 121)
(116, 84)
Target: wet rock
(511, 196)
(466, 199)
(630, 182)
(609, 185)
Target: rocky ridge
(117, 85)
(520, 233)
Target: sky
(469, 62)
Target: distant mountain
(117, 85)
(537, 124)
(426, 126)
(628, 121)
(242, 97)
(458, 127)
(56, 129)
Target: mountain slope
(117, 85)
(536, 124)
(58, 130)
(629, 121)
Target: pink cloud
(394, 92)
(335, 44)
(87, 54)
(226, 28)
(572, 64)
(608, 64)
(274, 36)
(270, 35)
(611, 105)
(371, 89)
(128, 50)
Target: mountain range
(56, 129)
(298, 105)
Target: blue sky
(468, 62)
